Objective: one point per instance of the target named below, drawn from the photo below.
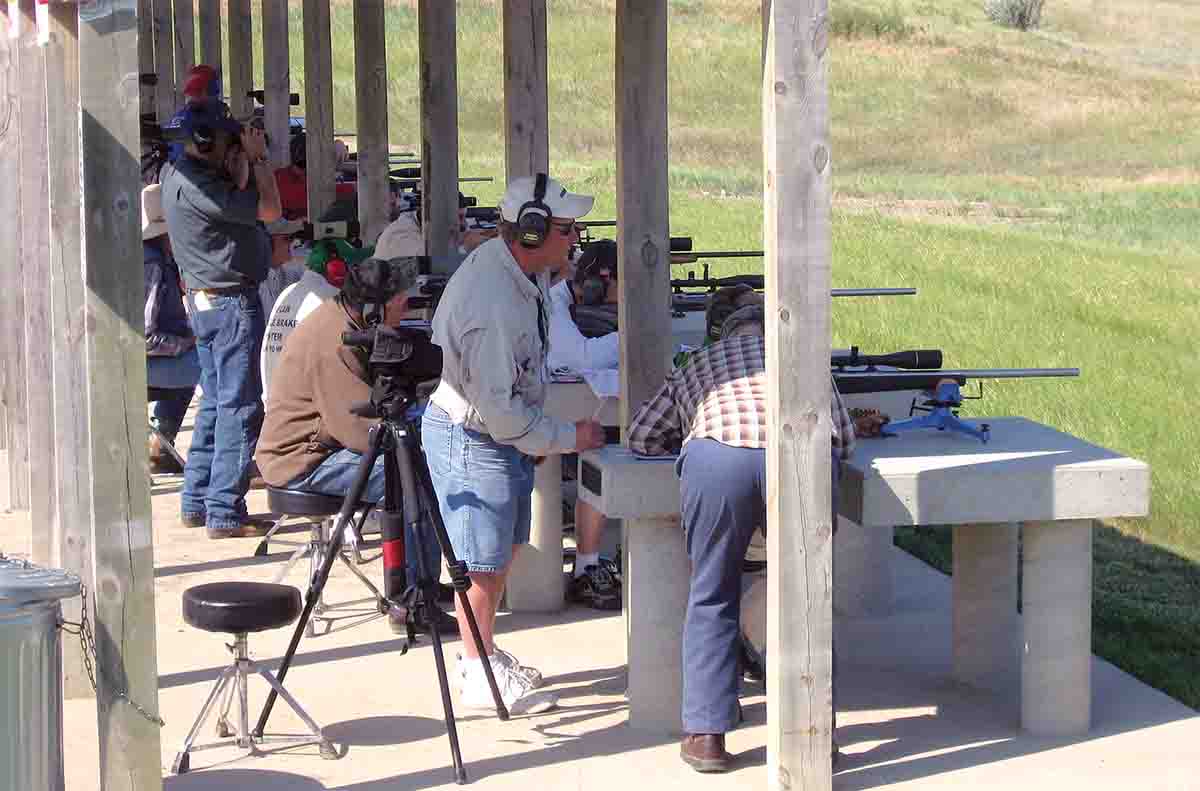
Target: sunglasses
(566, 228)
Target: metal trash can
(31, 701)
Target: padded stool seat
(294, 502)
(240, 607)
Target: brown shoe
(705, 752)
(162, 462)
(251, 527)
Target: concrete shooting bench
(536, 582)
(1029, 485)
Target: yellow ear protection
(533, 218)
(599, 256)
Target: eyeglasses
(566, 228)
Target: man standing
(485, 423)
(713, 412)
(216, 197)
(592, 286)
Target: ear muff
(533, 218)
(204, 138)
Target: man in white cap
(485, 423)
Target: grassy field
(1042, 191)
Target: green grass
(1041, 189)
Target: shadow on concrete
(257, 779)
(380, 731)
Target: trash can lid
(22, 581)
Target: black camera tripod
(407, 482)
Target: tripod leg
(362, 476)
(404, 453)
(429, 506)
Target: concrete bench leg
(863, 556)
(656, 578)
(535, 583)
(985, 606)
(1056, 627)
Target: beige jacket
(493, 325)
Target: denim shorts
(484, 491)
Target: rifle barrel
(873, 292)
(851, 382)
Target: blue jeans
(335, 475)
(179, 376)
(228, 339)
(723, 493)
(484, 491)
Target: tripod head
(398, 359)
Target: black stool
(319, 510)
(238, 608)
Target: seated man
(310, 440)
(293, 181)
(713, 411)
(172, 363)
(594, 283)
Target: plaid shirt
(721, 394)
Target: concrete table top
(1027, 472)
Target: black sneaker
(597, 588)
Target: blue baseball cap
(203, 118)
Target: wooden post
(12, 300)
(164, 61)
(240, 79)
(437, 23)
(643, 313)
(370, 89)
(277, 80)
(318, 108)
(210, 33)
(34, 226)
(796, 201)
(642, 200)
(114, 332)
(66, 328)
(526, 102)
(146, 52)
(185, 45)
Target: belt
(231, 291)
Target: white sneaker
(500, 657)
(515, 691)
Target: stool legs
(234, 680)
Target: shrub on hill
(1020, 14)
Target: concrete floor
(902, 723)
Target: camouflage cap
(374, 281)
(754, 314)
(723, 302)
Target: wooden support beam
(210, 33)
(642, 200)
(34, 228)
(437, 24)
(12, 300)
(185, 45)
(164, 61)
(114, 339)
(643, 313)
(370, 89)
(277, 79)
(318, 108)
(526, 91)
(72, 475)
(146, 52)
(796, 202)
(240, 78)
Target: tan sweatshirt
(315, 382)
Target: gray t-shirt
(216, 237)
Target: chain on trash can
(31, 706)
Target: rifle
(942, 389)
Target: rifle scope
(923, 359)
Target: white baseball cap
(561, 203)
